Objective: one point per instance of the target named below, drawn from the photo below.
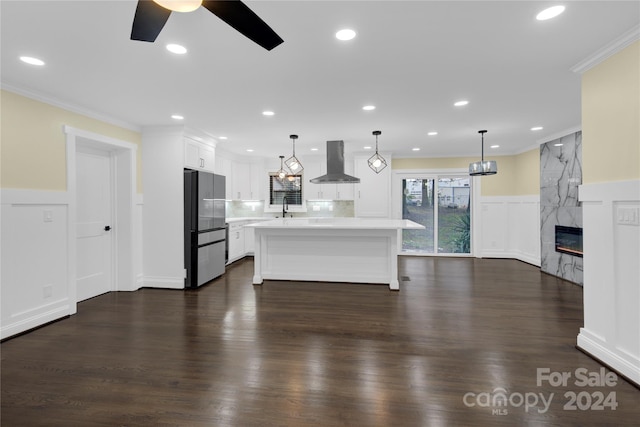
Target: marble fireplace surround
(560, 176)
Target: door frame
(396, 204)
(123, 179)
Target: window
(290, 187)
(443, 205)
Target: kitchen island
(353, 250)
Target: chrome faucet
(285, 206)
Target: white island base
(328, 250)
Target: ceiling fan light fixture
(483, 167)
(376, 162)
(180, 5)
(294, 165)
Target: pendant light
(489, 167)
(281, 174)
(294, 165)
(377, 162)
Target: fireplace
(569, 240)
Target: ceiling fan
(151, 15)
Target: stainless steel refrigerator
(204, 227)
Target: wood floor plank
(314, 354)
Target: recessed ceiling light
(549, 13)
(367, 148)
(558, 144)
(495, 146)
(415, 149)
(314, 149)
(222, 137)
(31, 60)
(345, 34)
(432, 133)
(461, 103)
(250, 150)
(537, 128)
(369, 107)
(177, 117)
(176, 48)
(268, 113)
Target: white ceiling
(412, 60)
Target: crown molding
(559, 135)
(608, 50)
(46, 99)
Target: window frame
(298, 207)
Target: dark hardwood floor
(317, 354)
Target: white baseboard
(163, 282)
(529, 259)
(34, 321)
(139, 281)
(625, 364)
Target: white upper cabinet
(198, 155)
(224, 167)
(313, 168)
(244, 180)
(259, 181)
(372, 198)
(346, 191)
(241, 181)
(327, 191)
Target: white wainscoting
(34, 258)
(510, 228)
(35, 278)
(611, 244)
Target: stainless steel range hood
(335, 166)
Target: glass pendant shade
(483, 167)
(180, 5)
(294, 165)
(377, 162)
(281, 174)
(487, 167)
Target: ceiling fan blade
(243, 19)
(148, 21)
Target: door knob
(107, 228)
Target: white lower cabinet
(241, 239)
(236, 241)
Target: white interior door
(94, 267)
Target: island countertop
(358, 250)
(338, 223)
